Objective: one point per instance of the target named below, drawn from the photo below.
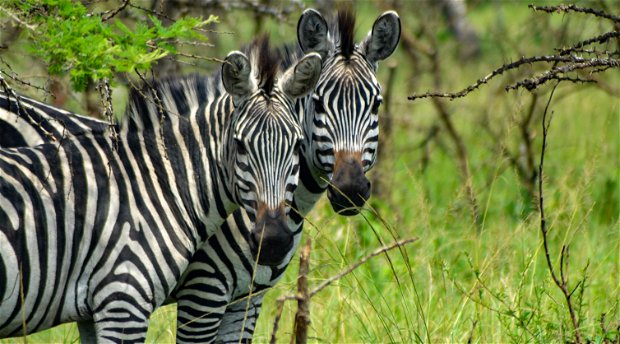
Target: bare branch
(276, 320)
(105, 93)
(107, 15)
(577, 63)
(280, 301)
(598, 39)
(359, 263)
(302, 317)
(553, 74)
(563, 283)
(574, 8)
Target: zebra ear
(301, 79)
(383, 39)
(312, 33)
(237, 76)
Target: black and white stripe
(99, 231)
(222, 291)
(341, 115)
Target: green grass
(458, 282)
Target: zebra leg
(87, 331)
(197, 324)
(121, 324)
(239, 320)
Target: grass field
(460, 281)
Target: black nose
(271, 240)
(349, 192)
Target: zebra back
(100, 231)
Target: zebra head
(265, 141)
(342, 125)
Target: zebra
(221, 294)
(339, 144)
(99, 230)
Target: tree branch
(578, 63)
(574, 8)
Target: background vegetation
(460, 175)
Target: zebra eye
(376, 105)
(240, 146)
(297, 147)
(318, 105)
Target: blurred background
(462, 174)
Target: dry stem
(563, 280)
(307, 295)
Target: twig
(461, 150)
(105, 93)
(471, 334)
(598, 39)
(280, 301)
(586, 62)
(19, 111)
(359, 263)
(107, 15)
(573, 8)
(534, 82)
(563, 283)
(276, 320)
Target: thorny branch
(105, 94)
(574, 8)
(10, 93)
(567, 57)
(563, 280)
(578, 63)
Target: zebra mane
(153, 101)
(156, 99)
(345, 31)
(265, 62)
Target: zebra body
(222, 290)
(99, 231)
(221, 294)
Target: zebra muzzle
(349, 188)
(271, 240)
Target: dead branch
(446, 119)
(577, 63)
(563, 280)
(107, 15)
(359, 263)
(574, 8)
(105, 93)
(556, 73)
(302, 317)
(280, 301)
(276, 320)
(598, 39)
(10, 93)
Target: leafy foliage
(70, 39)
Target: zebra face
(342, 123)
(264, 146)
